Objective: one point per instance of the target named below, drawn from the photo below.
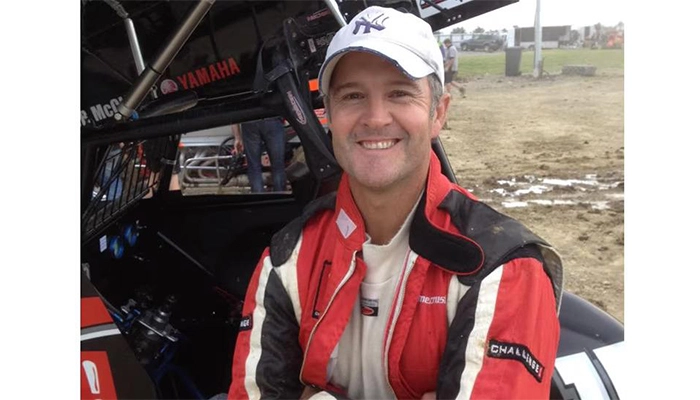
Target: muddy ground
(550, 153)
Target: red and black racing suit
(490, 329)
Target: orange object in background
(615, 40)
(313, 85)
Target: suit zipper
(318, 289)
(313, 331)
(397, 310)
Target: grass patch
(553, 60)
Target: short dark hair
(448, 40)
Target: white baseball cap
(402, 38)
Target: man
(270, 133)
(452, 67)
(401, 284)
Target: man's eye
(352, 96)
(399, 93)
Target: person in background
(113, 161)
(251, 137)
(443, 51)
(401, 284)
(452, 67)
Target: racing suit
(475, 315)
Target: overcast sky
(576, 13)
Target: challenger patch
(246, 323)
(517, 352)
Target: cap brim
(405, 60)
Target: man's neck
(384, 212)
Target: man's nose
(377, 113)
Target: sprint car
(167, 245)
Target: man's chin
(373, 181)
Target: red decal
(223, 69)
(192, 80)
(214, 74)
(425, 5)
(96, 380)
(234, 67)
(183, 81)
(210, 73)
(202, 76)
(93, 312)
(318, 14)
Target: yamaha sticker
(517, 352)
(369, 307)
(246, 323)
(208, 74)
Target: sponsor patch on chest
(517, 352)
(432, 299)
(369, 307)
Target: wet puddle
(569, 191)
(596, 205)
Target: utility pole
(538, 43)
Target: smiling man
(382, 124)
(401, 284)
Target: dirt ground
(550, 153)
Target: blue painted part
(131, 235)
(116, 316)
(116, 247)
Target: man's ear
(440, 116)
(327, 107)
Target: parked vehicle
(553, 37)
(482, 43)
(163, 274)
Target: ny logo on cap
(368, 25)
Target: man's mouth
(378, 144)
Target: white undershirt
(357, 364)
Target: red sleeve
(267, 359)
(521, 330)
(243, 346)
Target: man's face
(381, 122)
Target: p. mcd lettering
(99, 112)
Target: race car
(164, 269)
